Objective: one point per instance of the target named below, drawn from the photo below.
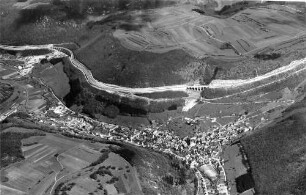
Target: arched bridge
(90, 78)
(196, 88)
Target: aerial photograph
(152, 97)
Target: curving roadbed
(292, 68)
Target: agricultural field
(261, 61)
(249, 43)
(8, 66)
(54, 77)
(36, 102)
(46, 159)
(32, 98)
(46, 163)
(155, 43)
(202, 35)
(18, 96)
(29, 94)
(113, 175)
(11, 142)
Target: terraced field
(46, 160)
(201, 35)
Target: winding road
(292, 68)
(115, 88)
(276, 75)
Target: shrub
(111, 111)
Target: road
(115, 88)
(294, 66)
(55, 177)
(222, 84)
(95, 83)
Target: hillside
(277, 154)
(32, 160)
(152, 97)
(117, 65)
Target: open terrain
(46, 160)
(54, 164)
(149, 93)
(153, 43)
(202, 35)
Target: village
(201, 152)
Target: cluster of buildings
(201, 152)
(61, 118)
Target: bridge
(79, 64)
(115, 88)
(292, 68)
(196, 88)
